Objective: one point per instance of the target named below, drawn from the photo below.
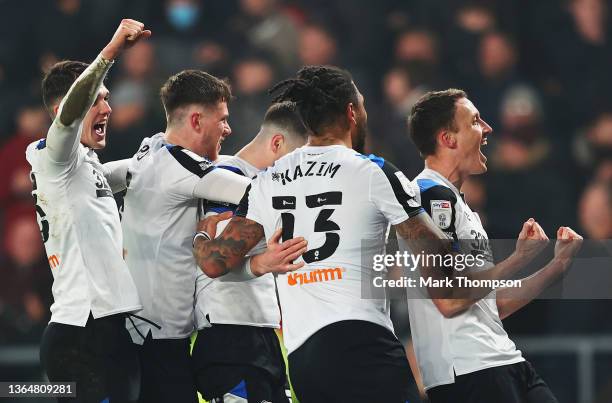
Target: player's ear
(446, 139)
(351, 114)
(277, 142)
(194, 121)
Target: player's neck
(177, 137)
(253, 154)
(330, 139)
(448, 170)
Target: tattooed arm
(227, 252)
(421, 234)
(218, 256)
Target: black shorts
(515, 383)
(167, 375)
(99, 357)
(353, 362)
(244, 361)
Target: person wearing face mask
(85, 341)
(182, 14)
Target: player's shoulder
(188, 160)
(34, 150)
(433, 189)
(234, 164)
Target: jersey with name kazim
(81, 230)
(334, 198)
(474, 339)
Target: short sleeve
(218, 207)
(252, 204)
(392, 193)
(196, 167)
(439, 202)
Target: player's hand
(127, 34)
(531, 240)
(280, 256)
(209, 224)
(568, 243)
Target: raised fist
(531, 240)
(127, 34)
(568, 243)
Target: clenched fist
(127, 34)
(568, 243)
(531, 240)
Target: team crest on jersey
(441, 213)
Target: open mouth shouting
(483, 143)
(99, 128)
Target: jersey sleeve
(392, 193)
(204, 181)
(252, 205)
(116, 173)
(440, 203)
(218, 207)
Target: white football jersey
(80, 227)
(335, 198)
(159, 219)
(253, 302)
(474, 339)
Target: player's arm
(422, 234)
(116, 173)
(510, 300)
(63, 138)
(228, 251)
(273, 257)
(221, 185)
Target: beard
(359, 138)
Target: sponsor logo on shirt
(315, 276)
(53, 261)
(441, 213)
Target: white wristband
(247, 269)
(200, 234)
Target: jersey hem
(476, 369)
(250, 324)
(303, 339)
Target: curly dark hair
(321, 94)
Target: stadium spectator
(317, 46)
(403, 85)
(32, 123)
(25, 289)
(595, 210)
(497, 64)
(134, 101)
(252, 76)
(264, 26)
(417, 44)
(522, 160)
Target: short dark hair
(321, 94)
(59, 79)
(285, 116)
(433, 112)
(193, 87)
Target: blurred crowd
(539, 72)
